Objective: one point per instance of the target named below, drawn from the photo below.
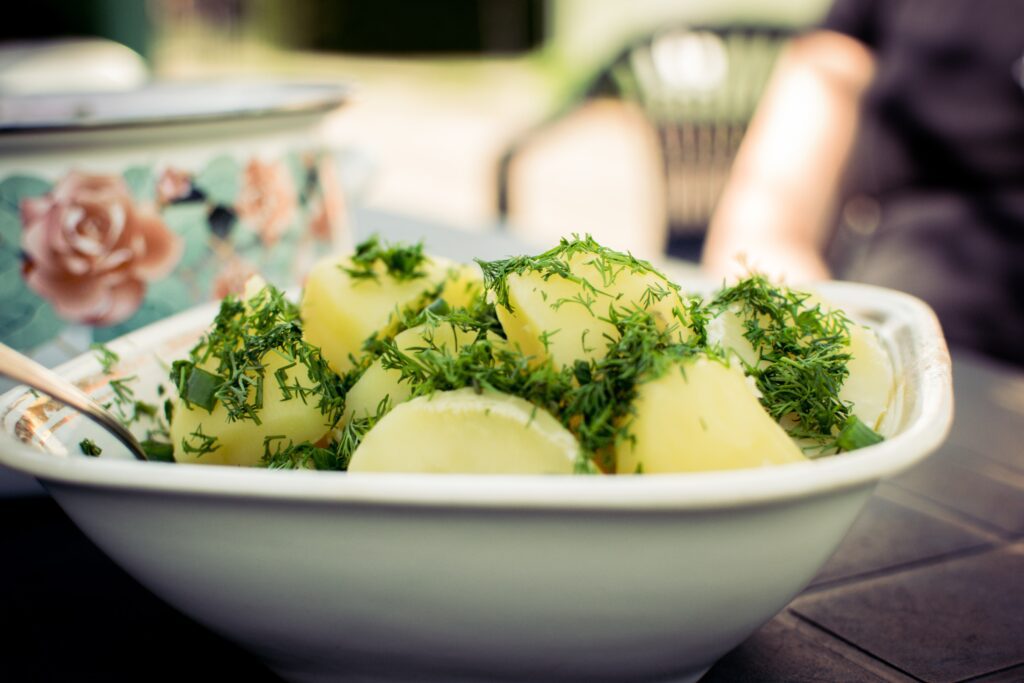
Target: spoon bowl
(21, 368)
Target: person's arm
(773, 213)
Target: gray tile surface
(781, 652)
(945, 622)
(889, 535)
(970, 488)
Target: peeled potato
(548, 318)
(340, 312)
(727, 330)
(871, 382)
(377, 382)
(701, 415)
(465, 432)
(462, 283)
(241, 442)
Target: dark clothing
(941, 149)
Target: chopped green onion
(855, 434)
(158, 451)
(89, 448)
(201, 388)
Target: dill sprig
(400, 261)
(803, 353)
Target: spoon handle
(23, 369)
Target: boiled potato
(464, 432)
(378, 383)
(871, 383)
(462, 283)
(872, 380)
(547, 318)
(340, 312)
(701, 415)
(241, 442)
(727, 330)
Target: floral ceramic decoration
(108, 253)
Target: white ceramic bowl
(335, 576)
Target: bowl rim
(683, 491)
(298, 98)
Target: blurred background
(540, 117)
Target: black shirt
(941, 149)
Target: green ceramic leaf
(10, 274)
(16, 187)
(12, 191)
(189, 221)
(10, 228)
(141, 182)
(220, 180)
(298, 172)
(26, 321)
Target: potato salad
(578, 360)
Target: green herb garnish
(401, 262)
(89, 447)
(803, 353)
(158, 451)
(197, 386)
(855, 434)
(105, 356)
(279, 452)
(198, 443)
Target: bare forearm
(773, 214)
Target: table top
(927, 586)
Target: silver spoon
(23, 369)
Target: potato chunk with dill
(563, 303)
(802, 356)
(250, 379)
(348, 300)
(379, 383)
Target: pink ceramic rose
(90, 251)
(172, 185)
(267, 199)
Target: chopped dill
(803, 351)
(198, 443)
(401, 262)
(279, 452)
(105, 356)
